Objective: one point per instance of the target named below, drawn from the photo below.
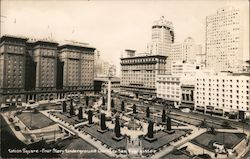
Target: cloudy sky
(110, 26)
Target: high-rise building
(224, 41)
(139, 73)
(33, 70)
(186, 51)
(12, 68)
(78, 63)
(162, 38)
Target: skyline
(109, 35)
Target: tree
(117, 128)
(134, 109)
(103, 122)
(87, 100)
(123, 106)
(163, 116)
(80, 113)
(103, 101)
(90, 115)
(150, 129)
(64, 106)
(148, 112)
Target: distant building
(185, 68)
(34, 71)
(223, 94)
(224, 40)
(101, 85)
(162, 38)
(138, 74)
(186, 51)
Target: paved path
(84, 136)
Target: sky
(111, 26)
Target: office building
(185, 51)
(161, 40)
(224, 40)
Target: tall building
(223, 94)
(12, 68)
(45, 57)
(161, 40)
(138, 74)
(186, 51)
(78, 66)
(33, 70)
(224, 41)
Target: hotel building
(40, 70)
(138, 74)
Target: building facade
(224, 41)
(168, 87)
(161, 40)
(138, 74)
(185, 68)
(34, 71)
(186, 51)
(223, 94)
(12, 68)
(177, 89)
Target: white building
(162, 38)
(185, 68)
(186, 51)
(224, 40)
(168, 87)
(222, 94)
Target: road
(209, 118)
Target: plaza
(186, 135)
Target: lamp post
(109, 93)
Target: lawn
(106, 137)
(80, 144)
(35, 120)
(207, 139)
(163, 138)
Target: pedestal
(117, 138)
(102, 131)
(150, 139)
(169, 131)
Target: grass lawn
(229, 139)
(80, 144)
(35, 120)
(163, 138)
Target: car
(146, 102)
(186, 110)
